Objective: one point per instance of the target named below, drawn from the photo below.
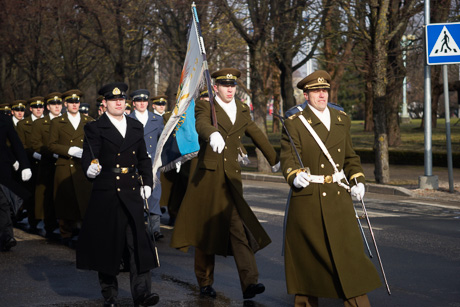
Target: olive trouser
(242, 252)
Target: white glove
(276, 167)
(56, 156)
(94, 170)
(75, 151)
(301, 180)
(178, 165)
(358, 191)
(146, 191)
(217, 142)
(37, 156)
(26, 174)
(16, 166)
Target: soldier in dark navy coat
(153, 126)
(115, 215)
(8, 156)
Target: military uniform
(18, 106)
(115, 215)
(214, 217)
(71, 189)
(324, 255)
(24, 130)
(44, 200)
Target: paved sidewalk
(403, 181)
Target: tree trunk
(368, 107)
(276, 99)
(259, 100)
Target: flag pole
(205, 63)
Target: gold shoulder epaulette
(343, 112)
(294, 115)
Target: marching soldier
(159, 104)
(18, 107)
(24, 129)
(114, 156)
(70, 185)
(84, 108)
(100, 107)
(8, 155)
(153, 126)
(129, 108)
(324, 255)
(44, 202)
(214, 217)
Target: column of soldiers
(115, 154)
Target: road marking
(423, 203)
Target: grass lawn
(412, 137)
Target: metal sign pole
(448, 140)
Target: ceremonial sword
(375, 244)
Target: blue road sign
(442, 41)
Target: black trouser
(6, 226)
(140, 282)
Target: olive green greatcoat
(324, 254)
(71, 188)
(39, 139)
(216, 187)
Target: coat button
(118, 154)
(324, 194)
(338, 192)
(237, 171)
(225, 159)
(150, 145)
(337, 165)
(322, 165)
(81, 140)
(339, 150)
(134, 189)
(150, 136)
(225, 147)
(118, 189)
(133, 177)
(118, 165)
(132, 165)
(118, 177)
(71, 165)
(134, 152)
(71, 141)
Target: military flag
(179, 140)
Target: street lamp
(405, 42)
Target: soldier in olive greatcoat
(24, 129)
(39, 139)
(324, 255)
(70, 185)
(214, 217)
(114, 158)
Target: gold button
(134, 189)
(134, 152)
(150, 145)
(71, 165)
(338, 192)
(71, 141)
(239, 137)
(118, 154)
(322, 165)
(339, 150)
(132, 165)
(324, 194)
(118, 177)
(118, 189)
(237, 171)
(150, 137)
(337, 165)
(236, 160)
(225, 147)
(118, 165)
(81, 140)
(133, 177)
(225, 159)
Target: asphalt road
(419, 242)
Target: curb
(370, 187)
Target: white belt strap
(325, 151)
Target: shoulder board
(335, 106)
(295, 110)
(294, 115)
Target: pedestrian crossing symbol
(442, 47)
